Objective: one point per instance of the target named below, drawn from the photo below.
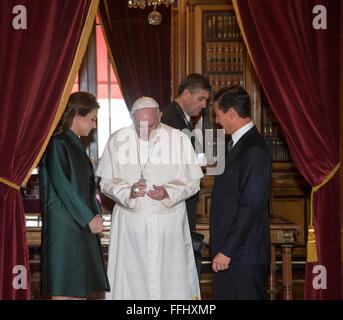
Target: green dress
(72, 258)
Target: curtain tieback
(312, 255)
(9, 183)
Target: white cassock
(150, 251)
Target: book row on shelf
(278, 150)
(271, 129)
(224, 56)
(222, 26)
(222, 80)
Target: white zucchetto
(142, 103)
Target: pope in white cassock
(149, 169)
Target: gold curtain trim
(312, 255)
(108, 47)
(81, 48)
(239, 20)
(9, 183)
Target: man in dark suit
(193, 95)
(239, 228)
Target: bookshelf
(272, 133)
(221, 55)
(223, 49)
(215, 48)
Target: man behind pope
(149, 169)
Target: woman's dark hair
(80, 103)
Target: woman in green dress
(72, 259)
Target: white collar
(187, 116)
(241, 131)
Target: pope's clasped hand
(138, 189)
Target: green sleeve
(58, 167)
(95, 204)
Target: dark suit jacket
(239, 225)
(172, 116)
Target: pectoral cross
(142, 178)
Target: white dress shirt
(240, 132)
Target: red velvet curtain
(141, 52)
(298, 67)
(34, 66)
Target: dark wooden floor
(205, 281)
(298, 282)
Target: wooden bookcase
(223, 50)
(272, 133)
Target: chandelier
(154, 17)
